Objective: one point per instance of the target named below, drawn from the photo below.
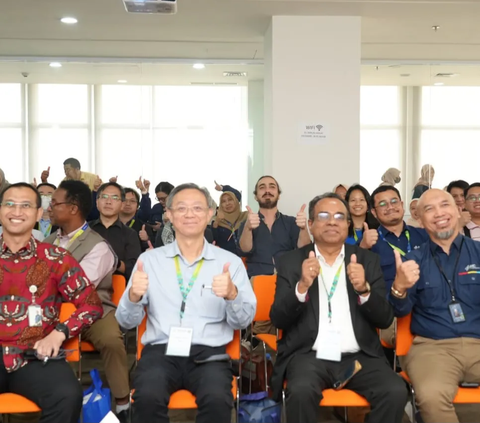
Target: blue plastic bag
(97, 401)
(258, 408)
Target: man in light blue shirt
(195, 296)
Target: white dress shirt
(341, 317)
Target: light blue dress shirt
(212, 318)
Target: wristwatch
(367, 289)
(397, 293)
(61, 327)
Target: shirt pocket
(212, 306)
(469, 288)
(429, 293)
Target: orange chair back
(66, 310)
(404, 335)
(264, 289)
(118, 285)
(141, 330)
(244, 259)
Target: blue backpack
(258, 408)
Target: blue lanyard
(394, 247)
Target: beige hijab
(390, 177)
(232, 220)
(426, 176)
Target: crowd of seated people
(347, 265)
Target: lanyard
(47, 231)
(185, 291)
(332, 290)
(355, 236)
(440, 268)
(79, 232)
(394, 247)
(233, 231)
(131, 223)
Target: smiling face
(357, 203)
(472, 202)
(459, 197)
(330, 223)
(439, 214)
(267, 193)
(388, 208)
(19, 211)
(227, 203)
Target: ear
(310, 224)
(255, 196)
(169, 214)
(74, 209)
(374, 212)
(39, 214)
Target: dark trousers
(158, 376)
(307, 377)
(53, 387)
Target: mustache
(267, 195)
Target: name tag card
(330, 345)
(180, 341)
(34, 316)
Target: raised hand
(253, 219)
(45, 174)
(218, 187)
(97, 183)
(356, 274)
(301, 218)
(223, 286)
(370, 237)
(34, 183)
(150, 246)
(310, 271)
(113, 179)
(146, 184)
(139, 283)
(408, 273)
(143, 234)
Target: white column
(312, 77)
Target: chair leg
(265, 365)
(284, 407)
(345, 414)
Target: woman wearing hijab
(391, 177)
(340, 190)
(358, 200)
(414, 219)
(3, 182)
(424, 183)
(226, 223)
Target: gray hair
(313, 203)
(182, 187)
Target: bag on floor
(258, 408)
(97, 400)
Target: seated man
(329, 301)
(472, 204)
(440, 286)
(72, 167)
(35, 279)
(195, 296)
(70, 206)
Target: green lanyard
(394, 247)
(183, 290)
(132, 223)
(332, 290)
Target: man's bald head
(439, 214)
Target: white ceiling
(228, 33)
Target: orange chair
(13, 403)
(118, 286)
(183, 399)
(264, 290)
(404, 342)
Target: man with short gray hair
(194, 295)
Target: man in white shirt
(329, 302)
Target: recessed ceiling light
(438, 83)
(198, 66)
(436, 27)
(122, 81)
(69, 20)
(55, 65)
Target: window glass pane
(379, 105)
(125, 105)
(451, 106)
(51, 147)
(10, 103)
(120, 153)
(11, 141)
(436, 148)
(62, 104)
(379, 150)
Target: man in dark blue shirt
(440, 285)
(268, 234)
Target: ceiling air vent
(165, 7)
(237, 74)
(446, 75)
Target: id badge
(180, 341)
(330, 347)
(456, 312)
(34, 315)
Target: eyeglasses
(131, 201)
(196, 210)
(326, 217)
(113, 197)
(383, 204)
(54, 203)
(23, 206)
(473, 198)
(162, 199)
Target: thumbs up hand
(143, 234)
(301, 219)
(139, 283)
(253, 220)
(356, 274)
(310, 271)
(408, 273)
(370, 237)
(150, 246)
(45, 174)
(223, 286)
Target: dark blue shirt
(418, 236)
(268, 245)
(226, 239)
(351, 239)
(429, 298)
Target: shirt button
(15, 261)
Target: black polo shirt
(268, 245)
(124, 241)
(136, 224)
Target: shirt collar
(277, 215)
(472, 225)
(29, 249)
(457, 243)
(71, 234)
(385, 231)
(172, 250)
(98, 221)
(340, 256)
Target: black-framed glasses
(112, 197)
(53, 203)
